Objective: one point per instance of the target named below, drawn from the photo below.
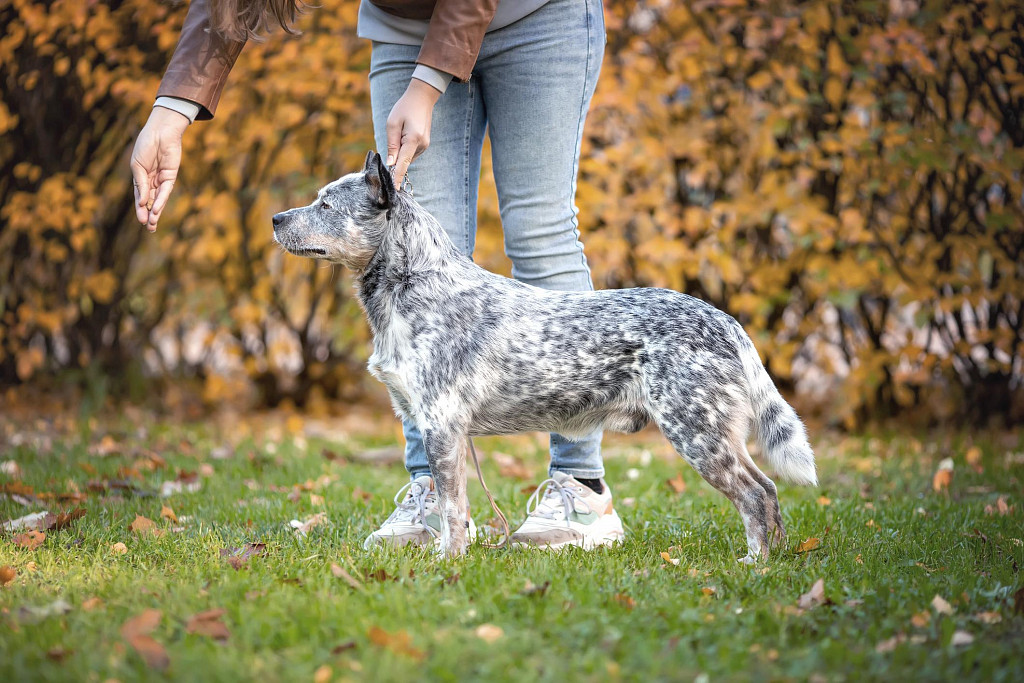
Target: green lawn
(888, 544)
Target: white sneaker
(416, 520)
(567, 513)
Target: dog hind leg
(776, 528)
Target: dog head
(346, 222)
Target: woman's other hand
(408, 126)
(155, 162)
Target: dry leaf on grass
(208, 624)
(824, 501)
(136, 632)
(668, 558)
(90, 604)
(989, 617)
(921, 619)
(890, 644)
(32, 521)
(708, 590)
(7, 574)
(302, 528)
(489, 633)
(30, 540)
(238, 557)
(399, 642)
(813, 597)
(677, 484)
(940, 605)
(943, 476)
(168, 514)
(807, 545)
(119, 548)
(961, 638)
(143, 526)
(624, 600)
(340, 573)
(323, 674)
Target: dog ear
(379, 182)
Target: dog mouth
(314, 252)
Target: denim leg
(537, 77)
(444, 178)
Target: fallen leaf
(824, 501)
(316, 500)
(57, 653)
(343, 647)
(511, 466)
(807, 545)
(340, 573)
(168, 513)
(624, 600)
(531, 589)
(528, 489)
(360, 495)
(921, 619)
(302, 528)
(152, 652)
(989, 617)
(708, 590)
(34, 521)
(206, 470)
(961, 638)
(940, 605)
(33, 614)
(677, 484)
(973, 457)
(143, 526)
(7, 574)
(813, 597)
(208, 624)
(30, 540)
(489, 633)
(90, 604)
(323, 674)
(119, 549)
(238, 557)
(890, 644)
(399, 642)
(671, 560)
(30, 566)
(943, 476)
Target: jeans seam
(465, 168)
(579, 145)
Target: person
(442, 73)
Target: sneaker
(565, 512)
(416, 520)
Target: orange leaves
(208, 624)
(398, 642)
(137, 633)
(943, 476)
(30, 540)
(807, 545)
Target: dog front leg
(446, 454)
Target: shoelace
(553, 492)
(413, 506)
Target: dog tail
(780, 433)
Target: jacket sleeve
(454, 36)
(201, 62)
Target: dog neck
(414, 254)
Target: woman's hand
(408, 126)
(155, 162)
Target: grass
(888, 545)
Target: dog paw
(749, 560)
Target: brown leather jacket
(202, 60)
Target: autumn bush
(844, 177)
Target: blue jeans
(530, 91)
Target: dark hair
(245, 19)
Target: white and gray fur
(465, 352)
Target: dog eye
(325, 205)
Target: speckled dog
(466, 352)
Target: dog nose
(278, 219)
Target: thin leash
(407, 186)
(494, 506)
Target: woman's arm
(452, 44)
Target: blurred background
(843, 177)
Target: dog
(465, 352)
